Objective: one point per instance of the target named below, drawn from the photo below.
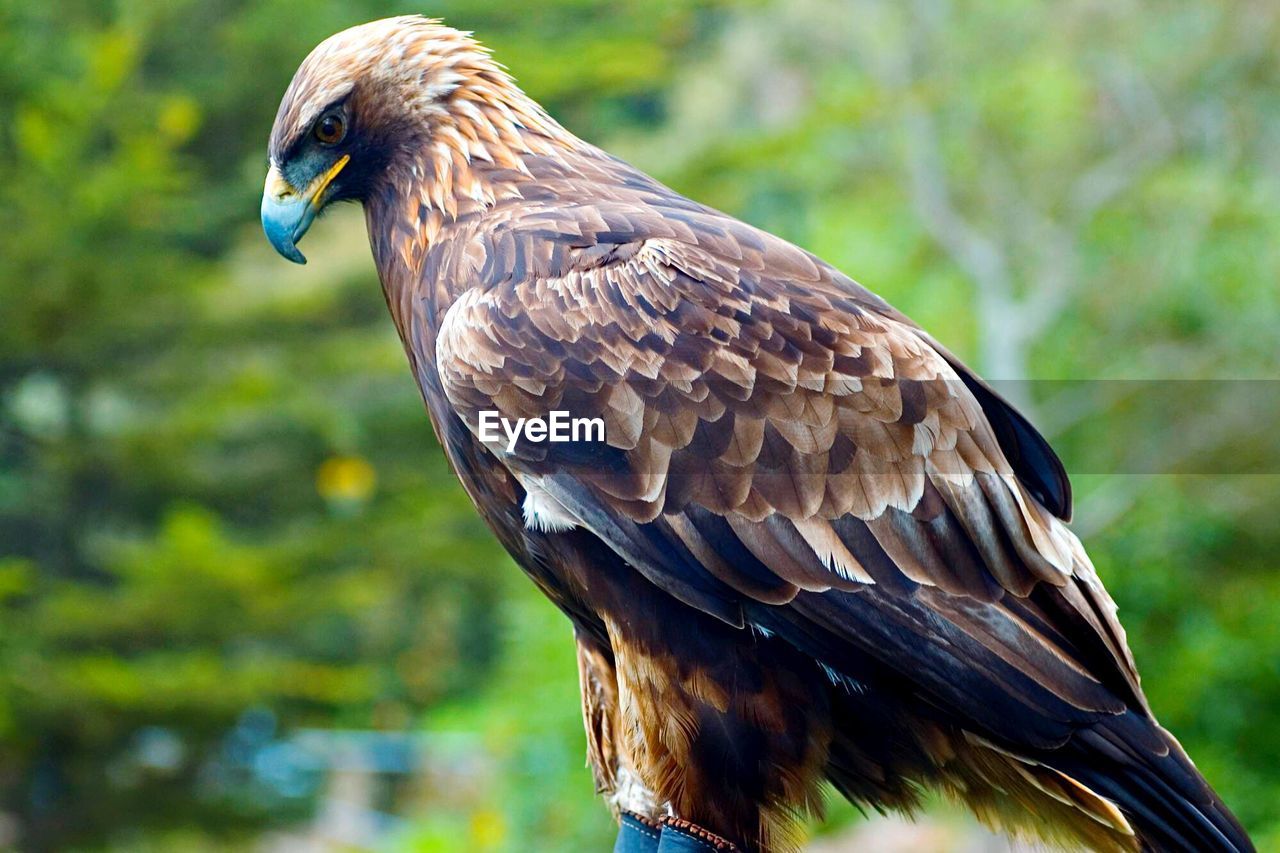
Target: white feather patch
(543, 512)
(631, 795)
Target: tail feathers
(1143, 770)
(1121, 784)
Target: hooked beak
(287, 212)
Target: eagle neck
(448, 181)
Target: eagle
(808, 546)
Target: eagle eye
(330, 129)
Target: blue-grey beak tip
(284, 222)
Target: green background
(226, 529)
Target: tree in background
(218, 491)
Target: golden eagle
(812, 545)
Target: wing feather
(782, 444)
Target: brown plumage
(813, 544)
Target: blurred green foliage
(220, 498)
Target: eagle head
(368, 99)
